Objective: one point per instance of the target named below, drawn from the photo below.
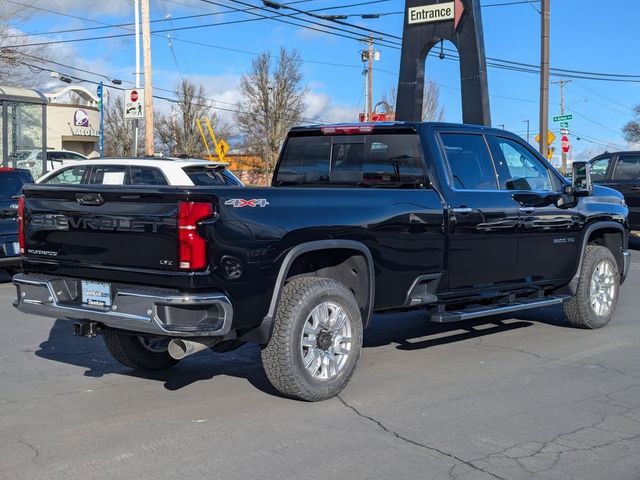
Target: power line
(492, 62)
(211, 102)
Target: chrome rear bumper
(150, 310)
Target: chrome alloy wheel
(602, 290)
(154, 344)
(326, 341)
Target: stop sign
(564, 144)
(134, 96)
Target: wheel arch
(336, 259)
(612, 235)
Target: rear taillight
(347, 129)
(21, 222)
(192, 249)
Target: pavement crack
(36, 452)
(401, 437)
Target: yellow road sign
(550, 137)
(550, 152)
(222, 148)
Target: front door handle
(527, 210)
(634, 188)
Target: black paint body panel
(409, 233)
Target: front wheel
(142, 352)
(596, 297)
(316, 339)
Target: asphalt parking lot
(509, 398)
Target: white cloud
(320, 107)
(88, 7)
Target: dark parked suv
(621, 171)
(11, 182)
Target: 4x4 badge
(241, 202)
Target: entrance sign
(134, 103)
(427, 23)
(431, 13)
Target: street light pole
(527, 122)
(101, 97)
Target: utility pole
(370, 78)
(562, 83)
(136, 17)
(544, 76)
(148, 79)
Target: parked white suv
(142, 171)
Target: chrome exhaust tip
(180, 348)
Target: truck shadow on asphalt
(408, 331)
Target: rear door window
(627, 167)
(109, 175)
(469, 161)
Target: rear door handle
(463, 210)
(527, 209)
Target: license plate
(96, 294)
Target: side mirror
(581, 178)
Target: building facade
(73, 121)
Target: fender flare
(573, 284)
(262, 333)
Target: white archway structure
(84, 93)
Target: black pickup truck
(460, 221)
(621, 171)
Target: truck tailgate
(102, 226)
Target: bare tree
(178, 133)
(273, 102)
(631, 130)
(118, 132)
(18, 66)
(432, 111)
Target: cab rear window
(11, 182)
(374, 160)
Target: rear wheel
(316, 340)
(142, 352)
(596, 297)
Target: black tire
(282, 358)
(13, 271)
(580, 310)
(130, 351)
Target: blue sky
(586, 35)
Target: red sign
(458, 12)
(134, 95)
(564, 144)
(375, 117)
